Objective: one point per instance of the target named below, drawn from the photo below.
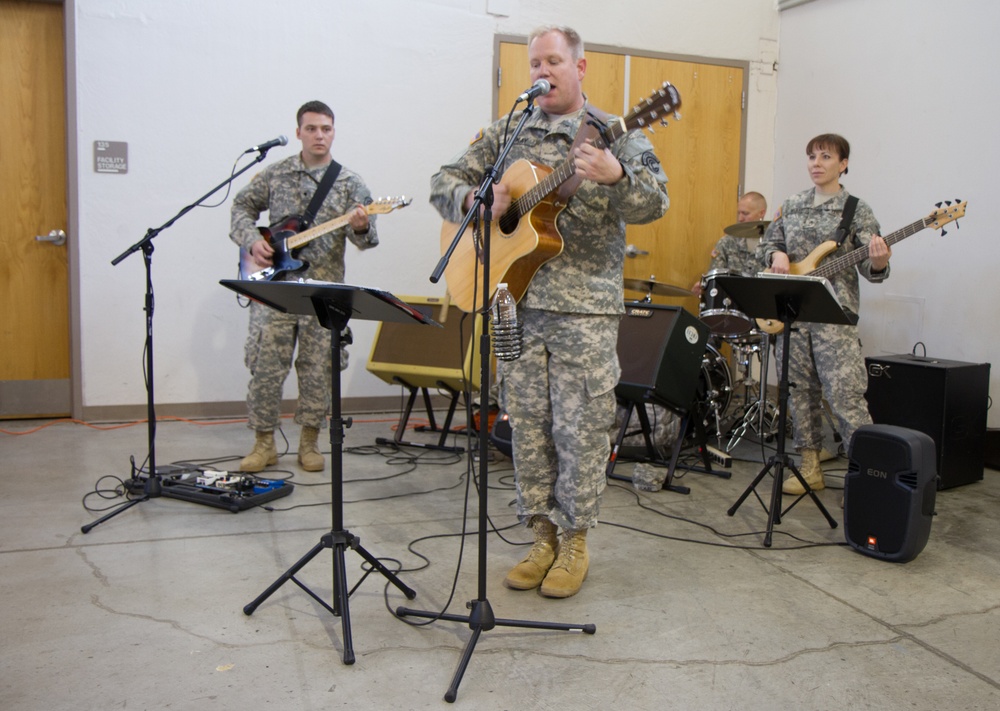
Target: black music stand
(334, 305)
(787, 298)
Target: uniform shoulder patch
(478, 137)
(651, 162)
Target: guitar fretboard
(856, 256)
(524, 203)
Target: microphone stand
(481, 617)
(152, 488)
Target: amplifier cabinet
(945, 399)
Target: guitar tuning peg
(948, 203)
(650, 129)
(943, 232)
(938, 204)
(663, 121)
(677, 115)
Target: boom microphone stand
(481, 618)
(152, 487)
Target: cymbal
(648, 286)
(747, 230)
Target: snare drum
(716, 308)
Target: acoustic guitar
(288, 235)
(525, 236)
(809, 266)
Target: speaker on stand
(660, 349)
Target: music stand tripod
(788, 298)
(481, 618)
(333, 305)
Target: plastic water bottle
(507, 332)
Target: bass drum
(715, 390)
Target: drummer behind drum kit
(717, 391)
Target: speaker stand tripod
(333, 305)
(788, 298)
(481, 618)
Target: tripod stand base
(481, 619)
(337, 541)
(774, 512)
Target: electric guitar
(808, 266)
(288, 235)
(525, 236)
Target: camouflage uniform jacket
(284, 189)
(586, 278)
(734, 254)
(800, 227)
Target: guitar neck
(312, 233)
(856, 256)
(524, 204)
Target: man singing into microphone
(560, 393)
(286, 189)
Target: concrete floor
(692, 612)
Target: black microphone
(279, 141)
(539, 88)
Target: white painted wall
(190, 84)
(911, 84)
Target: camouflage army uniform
(284, 189)
(824, 359)
(560, 393)
(734, 254)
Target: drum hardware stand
(333, 305)
(481, 618)
(756, 414)
(786, 298)
(152, 487)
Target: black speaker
(889, 492)
(660, 350)
(943, 398)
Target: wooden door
(701, 154)
(34, 320)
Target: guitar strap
(847, 217)
(329, 175)
(593, 120)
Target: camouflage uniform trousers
(270, 345)
(825, 360)
(560, 398)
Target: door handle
(632, 251)
(56, 237)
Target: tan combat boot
(810, 470)
(309, 457)
(567, 574)
(264, 454)
(529, 573)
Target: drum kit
(731, 403)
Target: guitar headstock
(655, 108)
(384, 205)
(946, 212)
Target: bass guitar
(288, 235)
(809, 266)
(525, 236)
